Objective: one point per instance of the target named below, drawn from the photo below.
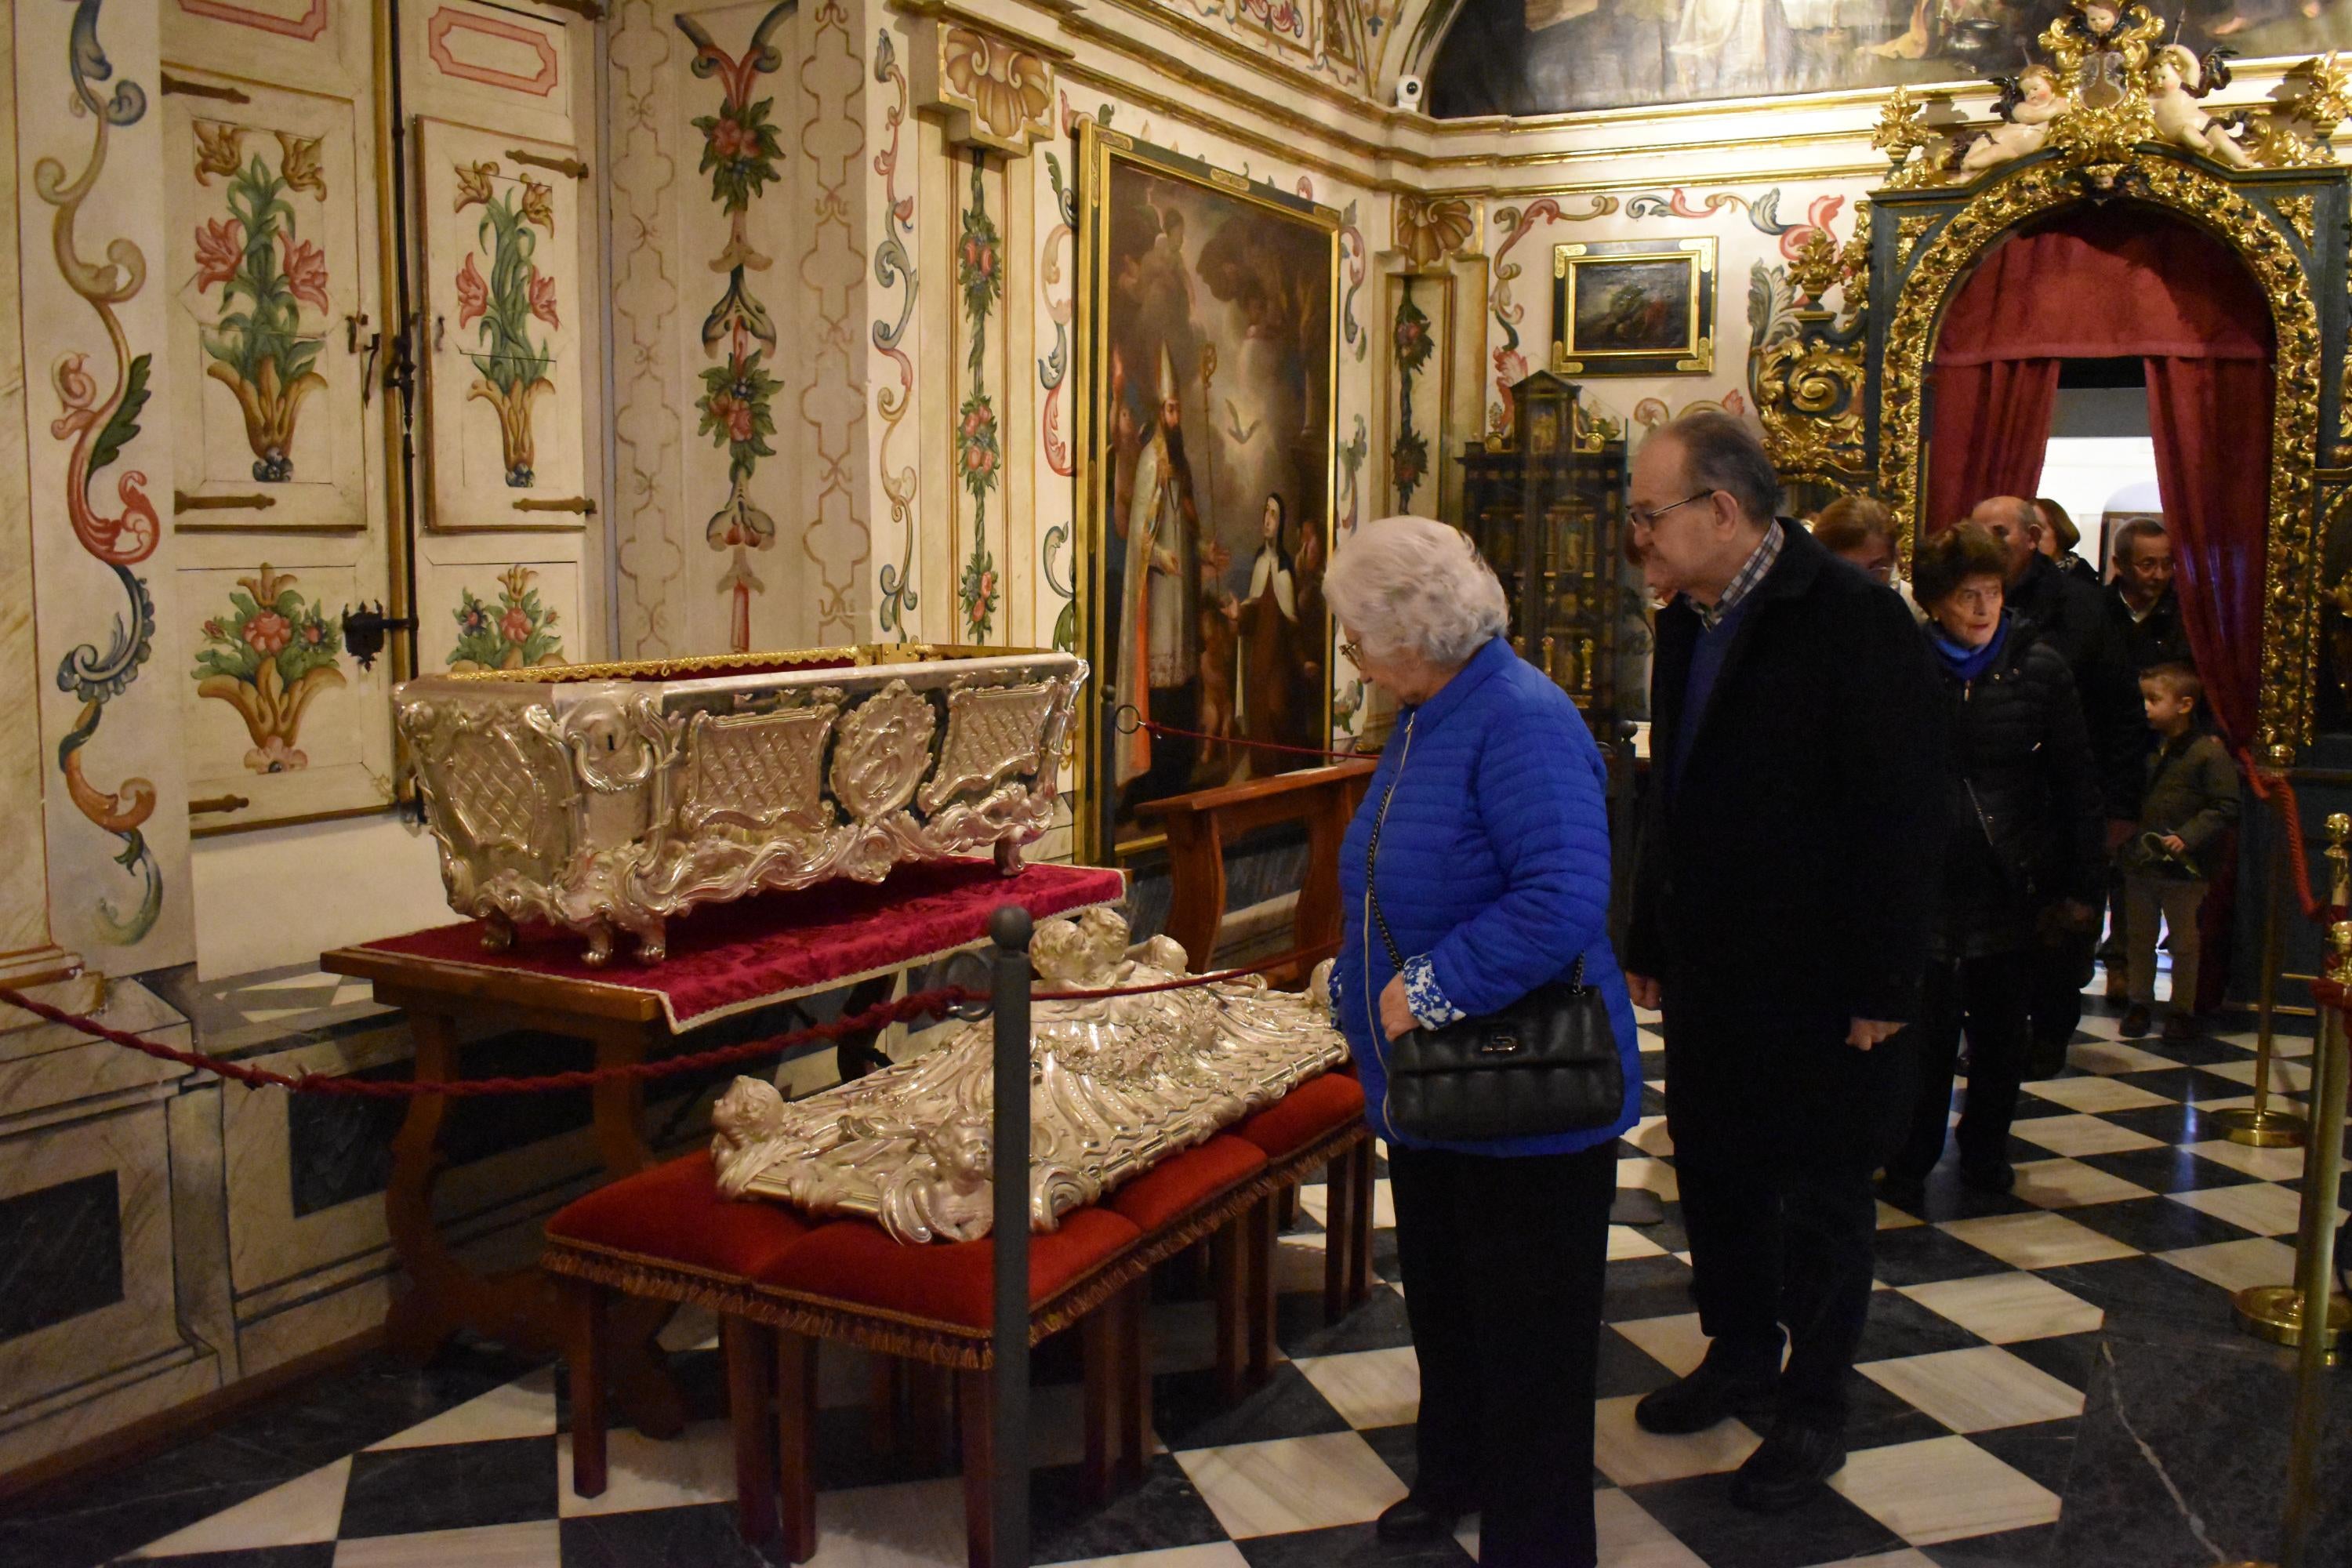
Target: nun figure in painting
(1274, 651)
(1160, 663)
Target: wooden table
(443, 977)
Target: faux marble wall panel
(60, 1252)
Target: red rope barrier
(2290, 815)
(1128, 721)
(937, 1002)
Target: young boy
(2192, 795)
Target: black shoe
(1791, 1468)
(1988, 1176)
(2179, 1028)
(1904, 1192)
(1718, 1391)
(1414, 1520)
(2135, 1023)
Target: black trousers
(1778, 1125)
(1502, 1262)
(2056, 973)
(1988, 998)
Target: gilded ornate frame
(1696, 357)
(1100, 152)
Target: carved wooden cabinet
(1546, 505)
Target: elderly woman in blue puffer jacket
(1494, 878)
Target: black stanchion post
(1009, 1390)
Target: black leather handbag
(1546, 1064)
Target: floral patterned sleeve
(1426, 998)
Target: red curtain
(2212, 423)
(1992, 427)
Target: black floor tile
(2032, 1548)
(1646, 1288)
(1066, 1526)
(2182, 1083)
(1899, 1325)
(1187, 1414)
(2041, 1452)
(2166, 1170)
(845, 1456)
(1917, 1254)
(2066, 1357)
(1700, 1513)
(2127, 1288)
(2155, 1225)
(451, 1485)
(1347, 1545)
(1877, 1418)
(318, 1554)
(2168, 1124)
(1377, 1324)
(1626, 1368)
(701, 1536)
(1394, 1445)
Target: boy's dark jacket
(2192, 792)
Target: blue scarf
(1968, 663)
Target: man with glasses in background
(1782, 898)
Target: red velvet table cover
(728, 958)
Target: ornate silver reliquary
(611, 797)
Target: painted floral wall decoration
(1408, 453)
(741, 147)
(517, 633)
(266, 272)
(1010, 91)
(267, 659)
(512, 363)
(980, 278)
(894, 265)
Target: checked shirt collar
(1743, 581)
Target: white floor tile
(2265, 1208)
(2093, 1094)
(1216, 1554)
(2238, 1265)
(2037, 1240)
(1976, 1389)
(1909, 1557)
(2287, 1076)
(1677, 1344)
(1649, 1135)
(1893, 1218)
(1655, 1175)
(524, 1408)
(2267, 1164)
(696, 1466)
(1315, 1201)
(1370, 1388)
(1945, 1489)
(1292, 1483)
(1625, 1242)
(2008, 1308)
(1630, 1538)
(305, 1510)
(2070, 1184)
(917, 1524)
(1631, 1456)
(2080, 1134)
(535, 1544)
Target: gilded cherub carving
(2180, 79)
(2029, 103)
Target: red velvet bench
(780, 1283)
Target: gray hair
(2119, 548)
(1406, 584)
(1719, 453)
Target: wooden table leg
(796, 1444)
(1339, 1205)
(1360, 1273)
(587, 1379)
(1227, 1271)
(746, 1348)
(1099, 1338)
(978, 1468)
(1134, 1439)
(1259, 1232)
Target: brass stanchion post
(2323, 1172)
(2262, 1127)
(2276, 1312)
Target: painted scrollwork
(614, 804)
(1117, 1085)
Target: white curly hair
(1411, 586)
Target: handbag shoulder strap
(1372, 860)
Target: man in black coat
(2141, 603)
(1781, 899)
(2073, 617)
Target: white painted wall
(279, 896)
(2092, 476)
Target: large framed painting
(1634, 307)
(1209, 324)
(1554, 57)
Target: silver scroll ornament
(1117, 1085)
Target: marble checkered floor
(1982, 1336)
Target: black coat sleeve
(2106, 681)
(2071, 779)
(1890, 742)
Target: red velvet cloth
(2211, 422)
(726, 958)
(1318, 1107)
(1991, 431)
(856, 1262)
(1185, 1181)
(675, 1212)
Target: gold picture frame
(1266, 416)
(1634, 307)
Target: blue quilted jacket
(1494, 867)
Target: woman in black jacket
(2024, 834)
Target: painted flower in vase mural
(511, 366)
(739, 149)
(1412, 339)
(268, 658)
(978, 452)
(266, 272)
(516, 633)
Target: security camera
(1409, 90)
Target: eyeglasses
(1649, 519)
(1353, 652)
